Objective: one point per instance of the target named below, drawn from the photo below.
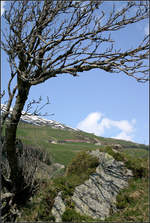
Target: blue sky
(109, 105)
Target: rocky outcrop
(96, 197)
(58, 208)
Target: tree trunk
(10, 135)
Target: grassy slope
(134, 199)
(63, 153)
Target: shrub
(45, 206)
(135, 165)
(123, 199)
(70, 215)
(29, 160)
(38, 153)
(118, 156)
(82, 163)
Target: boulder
(58, 166)
(96, 197)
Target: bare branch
(2, 94)
(71, 39)
(37, 110)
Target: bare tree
(49, 38)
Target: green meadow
(41, 137)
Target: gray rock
(58, 166)
(96, 197)
(58, 208)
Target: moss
(44, 213)
(80, 165)
(129, 199)
(77, 172)
(65, 184)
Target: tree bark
(10, 135)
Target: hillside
(64, 143)
(57, 132)
(66, 149)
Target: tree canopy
(47, 38)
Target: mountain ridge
(34, 120)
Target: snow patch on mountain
(36, 120)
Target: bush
(135, 165)
(82, 163)
(38, 153)
(29, 160)
(70, 215)
(123, 199)
(118, 156)
(45, 206)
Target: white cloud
(2, 7)
(98, 124)
(90, 123)
(123, 125)
(146, 29)
(124, 136)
